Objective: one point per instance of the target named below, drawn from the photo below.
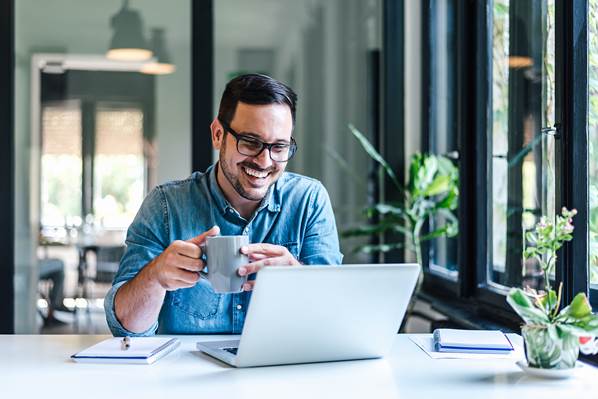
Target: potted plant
(553, 336)
(432, 190)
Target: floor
(86, 314)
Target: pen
(125, 343)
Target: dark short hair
(255, 89)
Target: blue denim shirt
(296, 213)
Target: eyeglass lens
(279, 153)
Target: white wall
(83, 27)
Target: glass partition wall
(96, 128)
(327, 51)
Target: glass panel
(93, 135)
(119, 165)
(443, 117)
(522, 146)
(60, 169)
(328, 52)
(593, 139)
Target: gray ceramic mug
(223, 258)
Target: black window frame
(474, 59)
(7, 167)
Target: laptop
(305, 314)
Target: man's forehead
(271, 121)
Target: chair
(107, 261)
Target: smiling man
(288, 218)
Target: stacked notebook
(137, 350)
(471, 341)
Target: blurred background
(109, 99)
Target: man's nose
(263, 159)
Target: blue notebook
(471, 341)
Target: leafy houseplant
(432, 190)
(553, 336)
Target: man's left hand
(262, 255)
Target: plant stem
(418, 252)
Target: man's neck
(245, 207)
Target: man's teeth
(255, 173)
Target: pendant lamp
(128, 42)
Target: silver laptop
(306, 314)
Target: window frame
(474, 58)
(7, 168)
(466, 148)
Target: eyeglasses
(252, 147)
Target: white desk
(37, 366)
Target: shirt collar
(271, 200)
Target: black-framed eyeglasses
(252, 147)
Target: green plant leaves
(439, 185)
(579, 308)
(525, 308)
(369, 148)
(432, 193)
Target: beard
(235, 181)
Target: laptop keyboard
(231, 350)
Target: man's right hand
(179, 265)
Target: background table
(39, 366)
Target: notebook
(143, 350)
(471, 341)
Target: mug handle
(204, 258)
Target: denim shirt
(295, 213)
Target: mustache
(253, 166)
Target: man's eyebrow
(252, 135)
(258, 138)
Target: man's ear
(217, 134)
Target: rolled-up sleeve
(147, 237)
(320, 243)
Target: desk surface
(39, 366)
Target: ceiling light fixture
(161, 64)
(128, 42)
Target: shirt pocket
(199, 301)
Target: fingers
(180, 278)
(254, 267)
(187, 277)
(187, 249)
(249, 285)
(269, 250)
(190, 264)
(200, 239)
(249, 269)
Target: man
(288, 217)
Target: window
(440, 120)
(522, 162)
(61, 168)
(516, 86)
(119, 165)
(97, 158)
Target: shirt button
(239, 307)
